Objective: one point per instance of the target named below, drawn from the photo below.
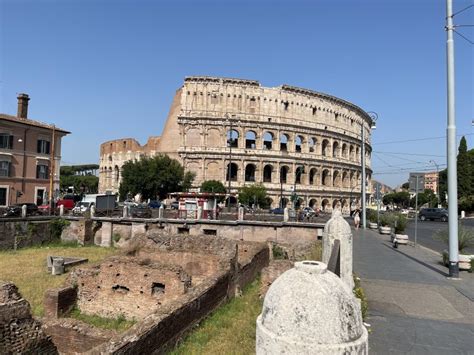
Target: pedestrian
(356, 219)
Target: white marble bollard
(199, 212)
(161, 211)
(309, 310)
(338, 228)
(463, 214)
(23, 211)
(61, 210)
(93, 211)
(241, 214)
(106, 240)
(286, 214)
(125, 212)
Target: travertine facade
(284, 137)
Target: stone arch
(313, 203)
(116, 174)
(284, 174)
(312, 144)
(231, 201)
(267, 173)
(351, 152)
(357, 156)
(233, 138)
(213, 172)
(299, 143)
(335, 149)
(214, 138)
(345, 151)
(345, 179)
(345, 205)
(299, 171)
(268, 140)
(232, 172)
(326, 177)
(284, 141)
(250, 140)
(325, 147)
(196, 168)
(313, 176)
(324, 204)
(336, 178)
(336, 202)
(284, 202)
(193, 137)
(250, 172)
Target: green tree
(406, 186)
(464, 170)
(254, 194)
(81, 177)
(154, 177)
(214, 186)
(425, 197)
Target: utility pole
(363, 175)
(51, 174)
(451, 149)
(229, 169)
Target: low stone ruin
(19, 332)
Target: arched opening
(312, 176)
(326, 178)
(284, 174)
(313, 203)
(312, 144)
(345, 179)
(336, 179)
(232, 171)
(268, 140)
(298, 203)
(336, 203)
(231, 201)
(298, 143)
(284, 142)
(357, 157)
(267, 173)
(325, 148)
(117, 173)
(284, 202)
(250, 140)
(344, 151)
(324, 204)
(345, 205)
(232, 138)
(351, 152)
(335, 149)
(299, 171)
(250, 172)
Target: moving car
(432, 214)
(15, 210)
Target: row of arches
(300, 144)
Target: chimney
(22, 106)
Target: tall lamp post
(437, 181)
(229, 169)
(299, 171)
(374, 118)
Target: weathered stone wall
(59, 301)
(252, 258)
(20, 333)
(81, 231)
(23, 233)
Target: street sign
(417, 179)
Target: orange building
(30, 151)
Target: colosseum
(292, 140)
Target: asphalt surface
(427, 230)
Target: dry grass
(229, 330)
(27, 269)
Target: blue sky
(108, 69)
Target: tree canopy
(154, 177)
(81, 177)
(214, 186)
(255, 194)
(401, 199)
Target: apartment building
(30, 155)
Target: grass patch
(315, 252)
(229, 330)
(26, 268)
(120, 323)
(359, 293)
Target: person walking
(356, 219)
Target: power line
(420, 139)
(466, 8)
(461, 35)
(421, 155)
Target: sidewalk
(413, 307)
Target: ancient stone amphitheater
(288, 138)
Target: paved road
(427, 230)
(413, 307)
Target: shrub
(56, 227)
(465, 237)
(472, 265)
(360, 294)
(394, 220)
(371, 215)
(278, 252)
(116, 237)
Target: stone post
(161, 211)
(241, 214)
(308, 310)
(92, 211)
(199, 212)
(125, 212)
(106, 240)
(338, 228)
(286, 215)
(23, 211)
(61, 210)
(58, 266)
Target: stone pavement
(413, 307)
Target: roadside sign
(417, 182)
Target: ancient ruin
(283, 137)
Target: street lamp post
(229, 169)
(374, 118)
(297, 172)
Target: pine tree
(464, 170)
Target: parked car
(68, 201)
(15, 210)
(174, 205)
(309, 212)
(154, 204)
(140, 211)
(433, 213)
(277, 210)
(81, 208)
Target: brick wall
(26, 232)
(59, 301)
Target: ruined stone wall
(252, 257)
(276, 132)
(130, 286)
(20, 333)
(23, 232)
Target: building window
(42, 171)
(3, 196)
(4, 169)
(6, 141)
(43, 146)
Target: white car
(81, 208)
